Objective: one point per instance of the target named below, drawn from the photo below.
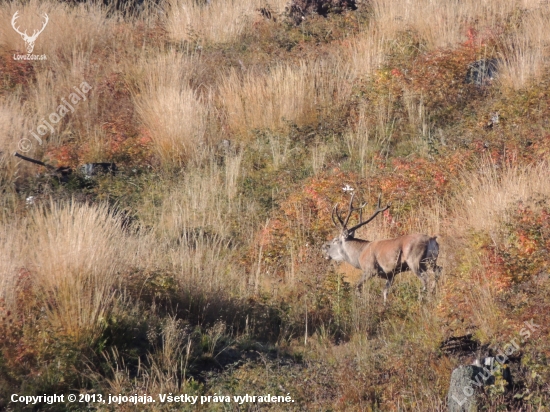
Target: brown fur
(383, 258)
(386, 258)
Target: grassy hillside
(197, 269)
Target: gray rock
(482, 72)
(463, 391)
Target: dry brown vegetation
(197, 268)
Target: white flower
(29, 200)
(348, 188)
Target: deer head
(336, 249)
(29, 40)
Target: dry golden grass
(201, 231)
(20, 116)
(77, 251)
(233, 172)
(368, 137)
(447, 24)
(14, 126)
(195, 222)
(11, 246)
(526, 53)
(218, 21)
(366, 52)
(318, 156)
(72, 42)
(197, 201)
(181, 120)
(49, 92)
(260, 101)
(73, 253)
(81, 45)
(286, 94)
(417, 116)
(443, 24)
(70, 29)
(202, 266)
(166, 367)
(482, 205)
(178, 120)
(488, 318)
(489, 191)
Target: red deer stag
(383, 258)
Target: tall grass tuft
(444, 24)
(367, 52)
(526, 52)
(285, 94)
(70, 30)
(176, 115)
(14, 126)
(12, 245)
(74, 253)
(488, 194)
(218, 21)
(194, 225)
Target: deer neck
(353, 248)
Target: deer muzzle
(325, 250)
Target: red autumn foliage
(14, 72)
(305, 215)
(125, 140)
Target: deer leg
(361, 281)
(427, 267)
(366, 275)
(389, 282)
(437, 274)
(421, 273)
(422, 276)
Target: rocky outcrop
(462, 397)
(469, 381)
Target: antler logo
(29, 40)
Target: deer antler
(335, 211)
(351, 209)
(376, 212)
